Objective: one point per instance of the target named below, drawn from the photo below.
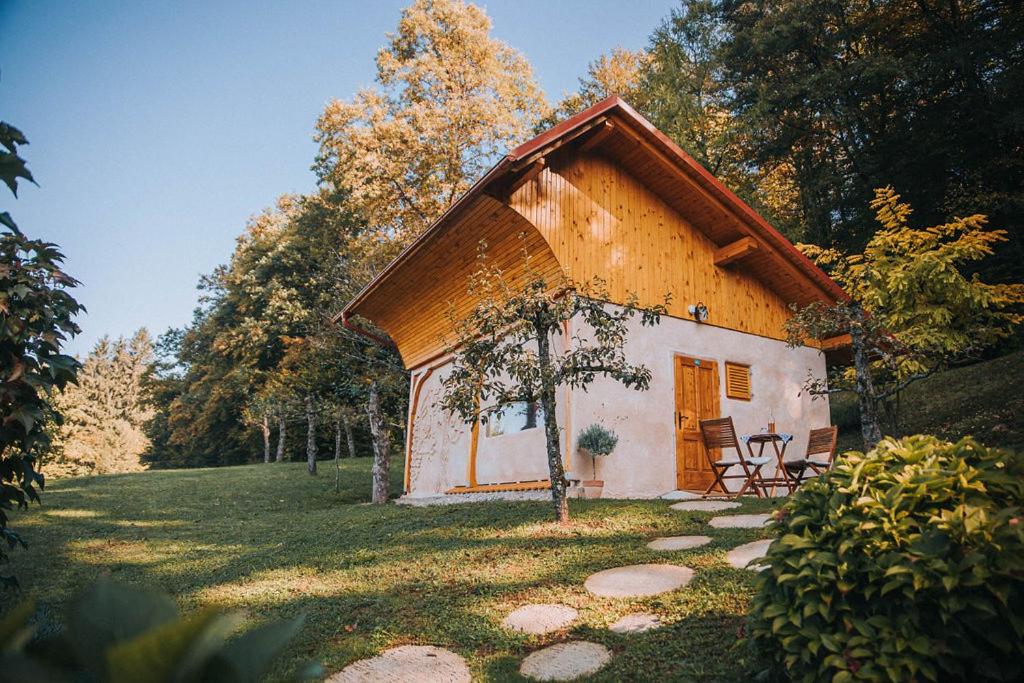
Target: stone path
(638, 580)
(740, 555)
(739, 521)
(570, 660)
(540, 619)
(678, 542)
(407, 664)
(564, 661)
(681, 495)
(636, 623)
(705, 505)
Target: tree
(36, 318)
(620, 72)
(913, 309)
(504, 351)
(925, 96)
(104, 413)
(450, 99)
(688, 97)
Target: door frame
(677, 356)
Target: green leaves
(901, 564)
(122, 634)
(36, 315)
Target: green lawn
(274, 541)
(984, 400)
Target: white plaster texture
(643, 464)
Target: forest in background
(801, 108)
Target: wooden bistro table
(779, 441)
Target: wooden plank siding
(412, 305)
(601, 221)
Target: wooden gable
(601, 221)
(603, 194)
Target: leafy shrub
(903, 564)
(597, 440)
(119, 633)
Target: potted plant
(595, 441)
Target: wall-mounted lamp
(699, 311)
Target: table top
(765, 437)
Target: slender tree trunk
(547, 400)
(870, 430)
(266, 437)
(381, 447)
(349, 435)
(281, 427)
(310, 436)
(337, 452)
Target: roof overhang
(617, 130)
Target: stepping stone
(539, 619)
(681, 495)
(407, 664)
(638, 580)
(636, 623)
(565, 661)
(740, 555)
(678, 542)
(705, 505)
(739, 521)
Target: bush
(903, 564)
(597, 440)
(118, 633)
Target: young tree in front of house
(912, 309)
(504, 352)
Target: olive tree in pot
(595, 441)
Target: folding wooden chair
(720, 434)
(821, 443)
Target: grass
(983, 400)
(274, 542)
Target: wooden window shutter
(737, 381)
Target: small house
(605, 194)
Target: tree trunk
(310, 436)
(547, 400)
(266, 437)
(349, 435)
(381, 447)
(337, 452)
(281, 426)
(870, 430)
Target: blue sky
(157, 128)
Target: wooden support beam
(783, 262)
(509, 486)
(606, 129)
(836, 343)
(531, 172)
(560, 142)
(734, 251)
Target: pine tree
(104, 413)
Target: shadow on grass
(273, 541)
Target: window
(737, 381)
(517, 417)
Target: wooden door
(696, 399)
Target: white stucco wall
(644, 462)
